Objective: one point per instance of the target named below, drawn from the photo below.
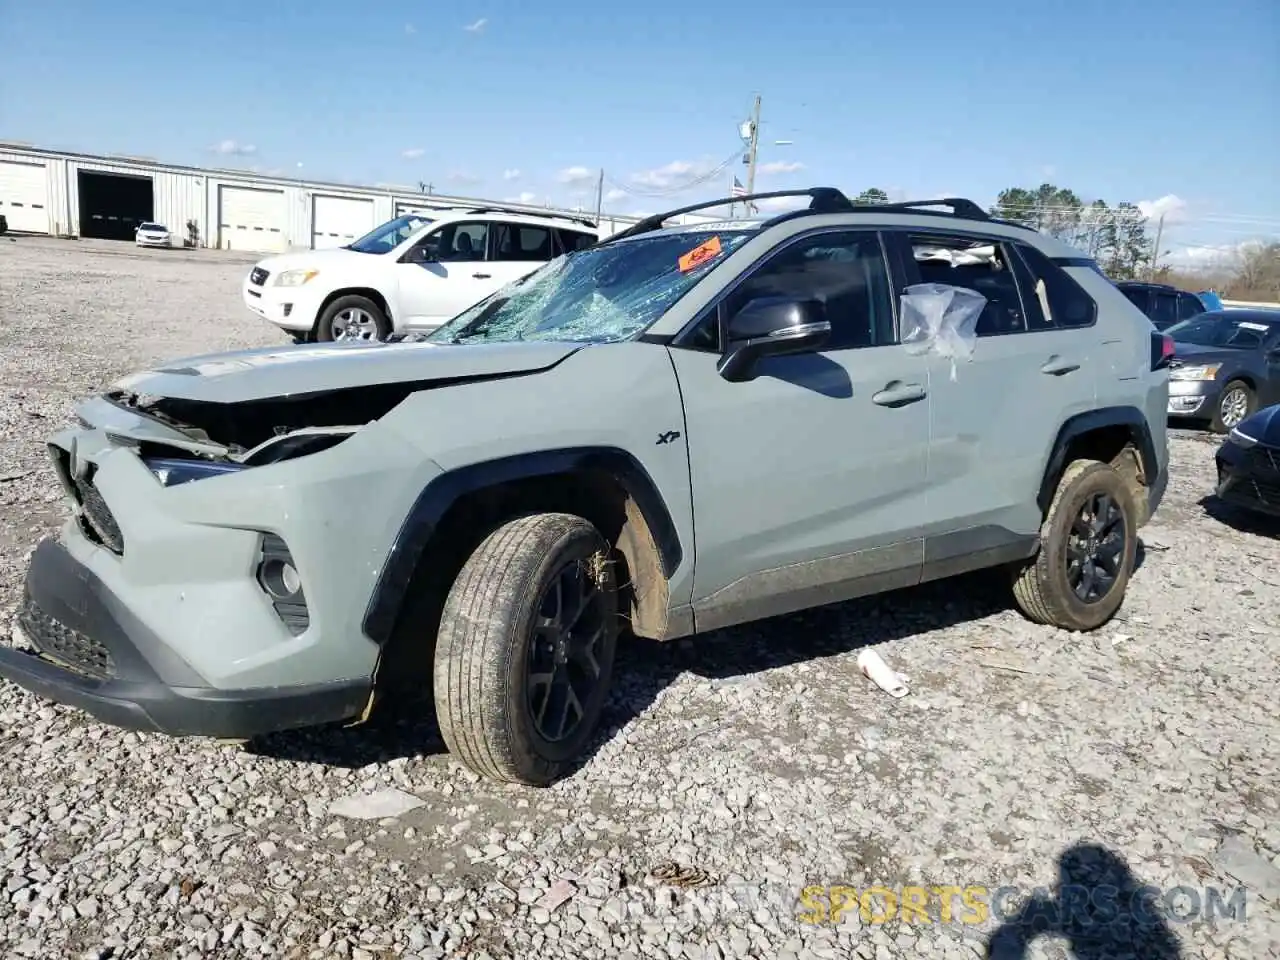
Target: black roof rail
(821, 200)
(830, 200)
(550, 214)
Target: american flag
(737, 190)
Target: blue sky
(1171, 102)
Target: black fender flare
(1082, 423)
(442, 492)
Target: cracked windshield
(598, 295)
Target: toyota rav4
(676, 430)
(410, 274)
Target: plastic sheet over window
(941, 319)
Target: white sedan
(151, 235)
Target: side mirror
(771, 327)
(418, 254)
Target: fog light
(280, 581)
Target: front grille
(59, 643)
(258, 276)
(1262, 460)
(101, 522)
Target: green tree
(1048, 208)
(1129, 252)
(873, 195)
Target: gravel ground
(1023, 756)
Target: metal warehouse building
(80, 195)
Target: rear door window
(984, 265)
(1062, 302)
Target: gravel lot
(1147, 752)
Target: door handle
(898, 394)
(482, 276)
(1055, 366)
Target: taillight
(1161, 350)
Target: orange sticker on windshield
(700, 254)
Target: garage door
(24, 193)
(403, 207)
(251, 219)
(337, 221)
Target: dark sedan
(1249, 463)
(1226, 365)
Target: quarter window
(522, 243)
(571, 240)
(1062, 302)
(983, 265)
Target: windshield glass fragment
(598, 295)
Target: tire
(1248, 403)
(487, 643)
(1042, 587)
(379, 327)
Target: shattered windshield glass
(600, 294)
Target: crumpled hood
(294, 371)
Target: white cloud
(510, 175)
(477, 26)
(465, 179)
(1171, 207)
(615, 196)
(413, 153)
(782, 203)
(1209, 256)
(526, 197)
(674, 173)
(781, 166)
(576, 177)
(233, 148)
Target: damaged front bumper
(200, 595)
(88, 651)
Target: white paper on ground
(878, 672)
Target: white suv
(411, 274)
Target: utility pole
(1155, 251)
(752, 149)
(599, 196)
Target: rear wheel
(525, 648)
(352, 317)
(1088, 545)
(1236, 404)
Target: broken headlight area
(173, 471)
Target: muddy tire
(1088, 545)
(525, 650)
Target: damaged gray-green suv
(677, 430)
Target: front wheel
(1088, 546)
(525, 649)
(1235, 405)
(352, 317)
